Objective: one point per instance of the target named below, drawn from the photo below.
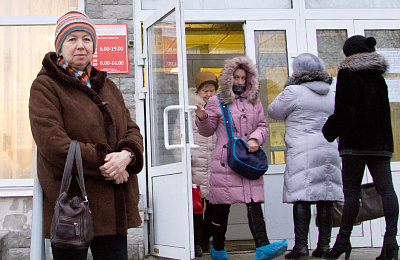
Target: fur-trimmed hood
(226, 80)
(194, 98)
(308, 78)
(364, 61)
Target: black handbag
(370, 206)
(249, 165)
(72, 224)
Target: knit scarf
(81, 75)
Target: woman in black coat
(362, 122)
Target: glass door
(168, 137)
(387, 35)
(271, 45)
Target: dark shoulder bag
(370, 206)
(72, 225)
(249, 165)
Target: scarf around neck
(83, 76)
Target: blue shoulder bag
(248, 165)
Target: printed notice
(392, 55)
(394, 90)
(112, 48)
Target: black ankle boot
(389, 251)
(320, 252)
(324, 218)
(339, 249)
(297, 253)
(301, 219)
(198, 252)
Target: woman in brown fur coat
(71, 100)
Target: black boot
(257, 224)
(324, 216)
(301, 218)
(342, 245)
(389, 252)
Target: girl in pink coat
(239, 89)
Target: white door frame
(169, 185)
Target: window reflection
(21, 63)
(388, 44)
(329, 44)
(36, 8)
(354, 4)
(271, 55)
(220, 4)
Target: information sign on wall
(112, 48)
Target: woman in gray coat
(312, 173)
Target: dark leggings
(103, 248)
(352, 174)
(256, 224)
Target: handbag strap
(79, 177)
(67, 174)
(227, 118)
(74, 152)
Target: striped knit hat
(73, 21)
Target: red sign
(111, 53)
(169, 44)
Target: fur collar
(194, 98)
(97, 81)
(364, 61)
(226, 80)
(308, 76)
(50, 68)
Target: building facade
(169, 43)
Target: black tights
(256, 224)
(352, 174)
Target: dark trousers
(256, 224)
(202, 225)
(102, 247)
(352, 173)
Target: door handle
(190, 128)
(191, 139)
(166, 135)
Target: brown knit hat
(204, 78)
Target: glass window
(221, 4)
(388, 45)
(164, 89)
(22, 49)
(345, 4)
(36, 8)
(271, 55)
(209, 45)
(214, 38)
(329, 45)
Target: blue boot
(271, 251)
(218, 255)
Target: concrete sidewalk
(356, 254)
(367, 253)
